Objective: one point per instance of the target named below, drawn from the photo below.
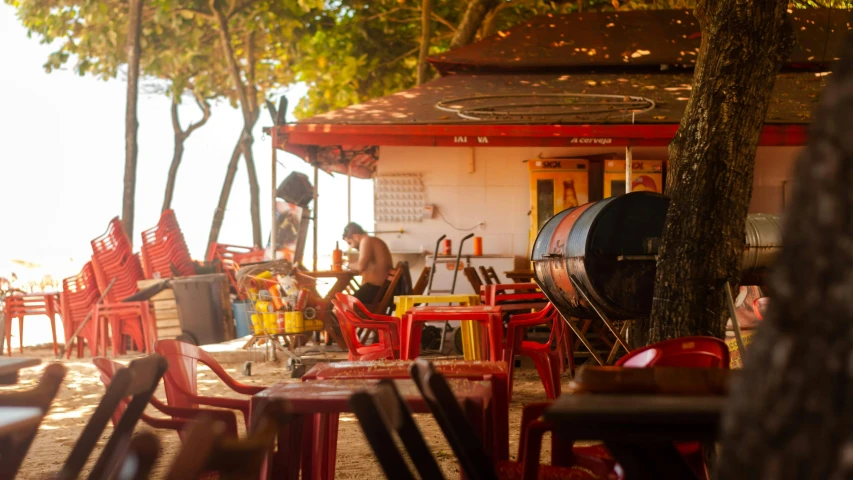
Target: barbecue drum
(610, 246)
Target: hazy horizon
(63, 164)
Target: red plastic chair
(352, 314)
(180, 416)
(21, 306)
(690, 352)
(548, 357)
(223, 256)
(78, 297)
(182, 376)
(594, 458)
(512, 295)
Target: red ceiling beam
(511, 135)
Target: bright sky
(62, 165)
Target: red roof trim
(511, 135)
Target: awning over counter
(610, 109)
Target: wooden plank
(167, 316)
(172, 322)
(169, 332)
(166, 305)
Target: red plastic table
(317, 404)
(20, 306)
(495, 372)
(414, 320)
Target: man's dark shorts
(367, 293)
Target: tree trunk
(181, 137)
(426, 35)
(131, 123)
(711, 163)
(177, 156)
(790, 414)
(471, 21)
(254, 190)
(248, 105)
(219, 214)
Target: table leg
(495, 326)
(329, 445)
(500, 415)
(309, 447)
(650, 460)
(413, 339)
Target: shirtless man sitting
(374, 261)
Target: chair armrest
(242, 387)
(225, 416)
(222, 402)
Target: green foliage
(363, 49)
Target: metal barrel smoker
(598, 260)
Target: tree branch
(438, 18)
(233, 68)
(426, 34)
(204, 105)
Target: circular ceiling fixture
(551, 107)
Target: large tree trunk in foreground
(471, 21)
(790, 415)
(426, 35)
(711, 163)
(181, 136)
(131, 124)
(219, 214)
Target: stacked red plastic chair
(115, 263)
(79, 296)
(164, 251)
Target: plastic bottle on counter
(337, 259)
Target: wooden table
(17, 419)
(317, 405)
(519, 276)
(342, 279)
(495, 372)
(639, 430)
(9, 368)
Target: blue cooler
(241, 318)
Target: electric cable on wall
(454, 226)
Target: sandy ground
(82, 390)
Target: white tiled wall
(497, 192)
